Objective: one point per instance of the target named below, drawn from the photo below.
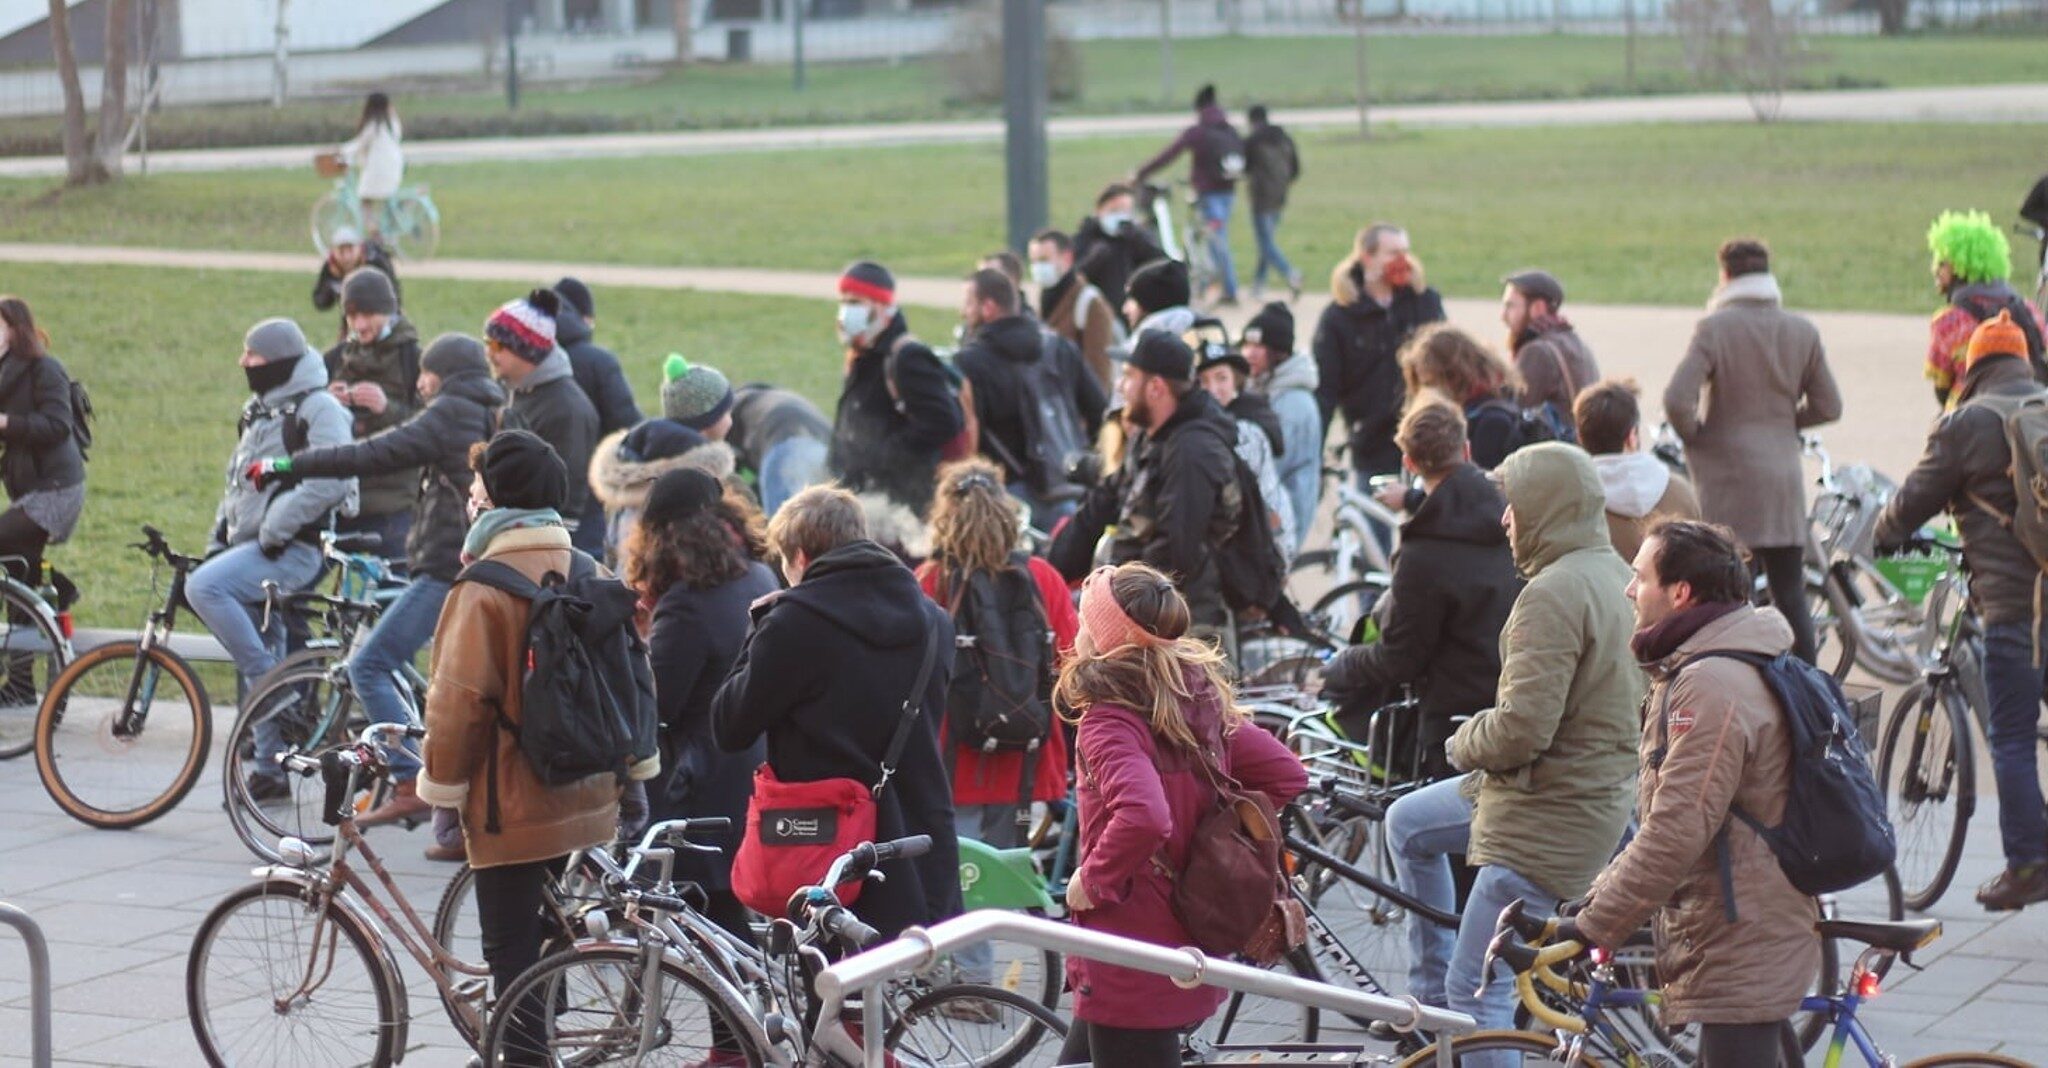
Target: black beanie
(578, 295)
(1273, 327)
(1162, 354)
(454, 354)
(368, 291)
(522, 471)
(1163, 283)
(680, 494)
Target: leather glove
(1574, 906)
(1568, 931)
(261, 473)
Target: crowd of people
(793, 570)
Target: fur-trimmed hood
(623, 483)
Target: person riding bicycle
(1217, 162)
(375, 373)
(376, 160)
(1454, 583)
(1972, 261)
(1966, 470)
(42, 467)
(1713, 740)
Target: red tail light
(64, 625)
(1867, 986)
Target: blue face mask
(389, 324)
(1115, 222)
(1044, 272)
(854, 320)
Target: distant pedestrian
(1074, 307)
(1218, 161)
(375, 159)
(1754, 377)
(1273, 164)
(1552, 360)
(346, 251)
(1111, 243)
(520, 340)
(897, 408)
(1378, 298)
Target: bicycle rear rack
(39, 982)
(920, 949)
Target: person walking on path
(375, 158)
(695, 555)
(1152, 705)
(461, 408)
(1552, 360)
(1272, 164)
(346, 251)
(1972, 262)
(1714, 743)
(696, 414)
(520, 339)
(1217, 154)
(779, 440)
(1966, 470)
(1640, 487)
(375, 373)
(1288, 381)
(1378, 299)
(42, 466)
(821, 677)
(1111, 243)
(1754, 377)
(897, 408)
(1552, 765)
(1072, 307)
(597, 373)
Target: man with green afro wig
(1971, 264)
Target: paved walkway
(1987, 103)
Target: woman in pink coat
(1146, 697)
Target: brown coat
(1754, 377)
(1727, 746)
(1092, 329)
(475, 678)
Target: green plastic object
(1000, 878)
(1914, 576)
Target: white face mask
(1114, 223)
(1044, 272)
(854, 320)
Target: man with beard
(1548, 354)
(1971, 263)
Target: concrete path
(1988, 103)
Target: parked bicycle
(1863, 607)
(35, 646)
(409, 224)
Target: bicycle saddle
(1902, 936)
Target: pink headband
(1109, 627)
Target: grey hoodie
(278, 513)
(1291, 389)
(1633, 481)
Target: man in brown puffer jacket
(1713, 739)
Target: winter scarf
(499, 520)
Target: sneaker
(2015, 888)
(1294, 287)
(969, 1010)
(453, 853)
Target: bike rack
(39, 982)
(919, 950)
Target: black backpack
(1054, 435)
(1531, 426)
(586, 697)
(81, 419)
(1249, 562)
(1834, 833)
(1000, 696)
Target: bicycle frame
(45, 612)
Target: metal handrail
(38, 980)
(920, 948)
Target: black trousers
(1120, 1047)
(1744, 1045)
(509, 902)
(21, 537)
(1784, 568)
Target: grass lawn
(1622, 214)
(1117, 76)
(158, 349)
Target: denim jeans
(374, 668)
(787, 467)
(1215, 209)
(2014, 684)
(1425, 828)
(226, 593)
(1265, 227)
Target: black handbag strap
(912, 705)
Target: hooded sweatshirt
(1555, 757)
(1291, 389)
(552, 405)
(1641, 488)
(625, 466)
(283, 510)
(996, 360)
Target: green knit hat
(1972, 245)
(693, 394)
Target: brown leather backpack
(1232, 894)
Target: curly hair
(1972, 245)
(975, 523)
(1155, 681)
(707, 549)
(1442, 357)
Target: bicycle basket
(329, 165)
(1845, 515)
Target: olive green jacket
(1556, 756)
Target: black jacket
(1357, 342)
(393, 363)
(890, 445)
(1454, 582)
(41, 448)
(995, 360)
(327, 284)
(764, 417)
(1493, 427)
(597, 370)
(1272, 164)
(697, 635)
(554, 407)
(1108, 261)
(435, 443)
(1174, 500)
(824, 675)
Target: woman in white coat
(376, 158)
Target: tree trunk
(685, 13)
(80, 168)
(112, 140)
(1891, 17)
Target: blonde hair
(815, 522)
(974, 519)
(1155, 681)
(1432, 435)
(1443, 357)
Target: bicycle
(1578, 1008)
(35, 646)
(693, 992)
(409, 224)
(106, 753)
(1857, 598)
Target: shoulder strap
(912, 705)
(1564, 370)
(502, 576)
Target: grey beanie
(693, 394)
(276, 339)
(369, 291)
(454, 354)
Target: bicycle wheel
(966, 1025)
(33, 655)
(1534, 1049)
(1929, 776)
(1893, 635)
(330, 213)
(1340, 610)
(274, 979)
(116, 747)
(1255, 1020)
(590, 1005)
(1834, 645)
(300, 712)
(412, 226)
(1969, 1060)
